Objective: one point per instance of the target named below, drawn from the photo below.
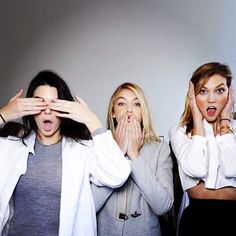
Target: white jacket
(99, 160)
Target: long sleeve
(100, 195)
(210, 158)
(109, 167)
(227, 156)
(152, 173)
(191, 153)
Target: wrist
(2, 119)
(198, 129)
(224, 121)
(225, 129)
(133, 155)
(93, 125)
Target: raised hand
(136, 137)
(121, 133)
(76, 110)
(226, 112)
(197, 115)
(18, 107)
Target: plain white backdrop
(98, 44)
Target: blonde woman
(205, 147)
(133, 209)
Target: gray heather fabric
(133, 209)
(37, 195)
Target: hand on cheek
(197, 115)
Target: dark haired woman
(205, 147)
(45, 176)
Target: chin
(48, 134)
(211, 120)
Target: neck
(216, 126)
(49, 140)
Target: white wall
(98, 44)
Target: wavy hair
(199, 78)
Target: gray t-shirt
(37, 195)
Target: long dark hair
(68, 128)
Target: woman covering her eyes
(133, 209)
(45, 174)
(204, 144)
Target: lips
(211, 111)
(129, 118)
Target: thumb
(18, 95)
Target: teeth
(211, 108)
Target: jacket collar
(30, 142)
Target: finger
(31, 112)
(33, 102)
(121, 126)
(231, 92)
(191, 92)
(18, 95)
(60, 105)
(80, 100)
(31, 106)
(62, 115)
(143, 135)
(136, 128)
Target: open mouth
(129, 118)
(47, 125)
(211, 111)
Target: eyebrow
(125, 98)
(219, 85)
(119, 98)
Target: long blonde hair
(199, 78)
(147, 125)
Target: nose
(211, 98)
(47, 111)
(129, 109)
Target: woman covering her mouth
(135, 208)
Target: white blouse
(209, 158)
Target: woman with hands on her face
(45, 174)
(133, 209)
(205, 147)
